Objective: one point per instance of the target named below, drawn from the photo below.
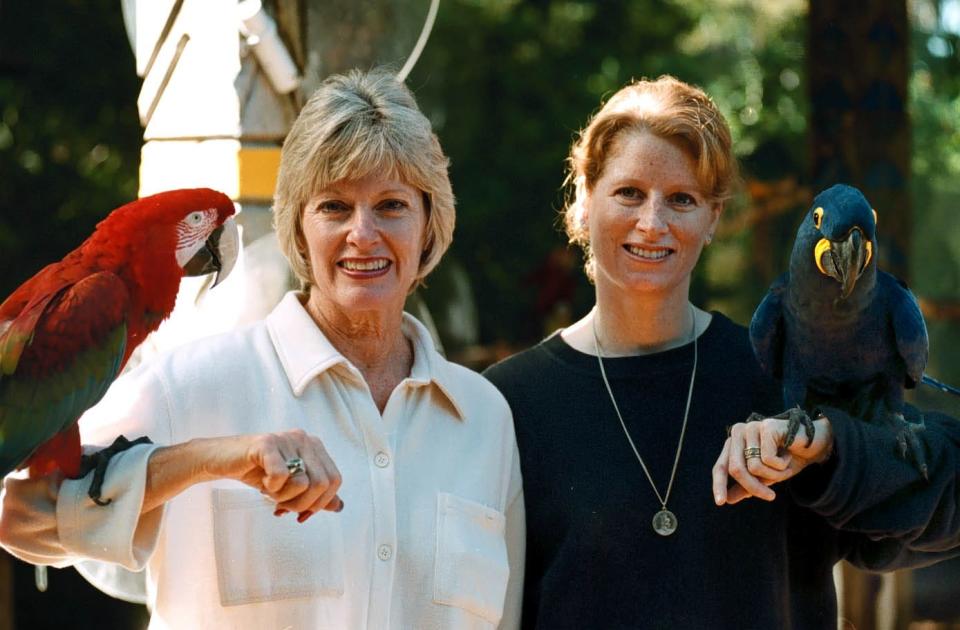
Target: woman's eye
(629, 192)
(393, 205)
(683, 199)
(331, 206)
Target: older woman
(325, 468)
(621, 416)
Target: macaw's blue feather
(835, 329)
(766, 329)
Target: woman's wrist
(827, 451)
(173, 469)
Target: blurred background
(815, 93)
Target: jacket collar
(305, 352)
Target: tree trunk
(857, 64)
(859, 132)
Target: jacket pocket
(263, 558)
(471, 568)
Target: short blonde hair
(354, 125)
(668, 108)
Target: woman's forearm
(173, 469)
(259, 461)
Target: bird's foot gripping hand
(97, 462)
(796, 418)
(909, 445)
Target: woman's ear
(715, 211)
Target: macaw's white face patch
(193, 231)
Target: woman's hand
(754, 474)
(260, 461)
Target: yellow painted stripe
(258, 168)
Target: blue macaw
(837, 331)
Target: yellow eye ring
(817, 217)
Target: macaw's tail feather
(943, 387)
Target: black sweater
(593, 559)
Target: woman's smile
(649, 254)
(365, 268)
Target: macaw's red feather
(19, 314)
(66, 332)
(137, 241)
(80, 318)
(62, 451)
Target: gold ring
(752, 452)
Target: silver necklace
(664, 521)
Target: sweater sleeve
(53, 521)
(888, 515)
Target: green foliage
(935, 255)
(69, 134)
(509, 83)
(935, 112)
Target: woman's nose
(363, 227)
(651, 215)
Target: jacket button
(382, 460)
(384, 552)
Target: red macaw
(66, 333)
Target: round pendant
(664, 522)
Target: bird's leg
(794, 395)
(909, 445)
(796, 418)
(97, 462)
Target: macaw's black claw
(796, 418)
(909, 445)
(97, 462)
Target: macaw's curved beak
(844, 261)
(218, 255)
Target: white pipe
(267, 46)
